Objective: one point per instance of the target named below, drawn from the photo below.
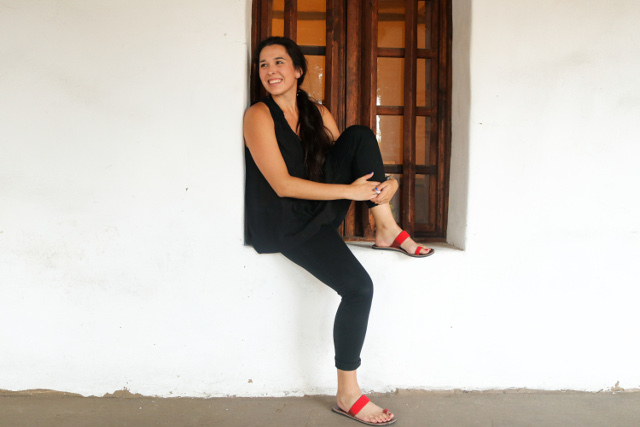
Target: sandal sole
(337, 410)
(389, 248)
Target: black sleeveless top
(274, 224)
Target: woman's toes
(383, 418)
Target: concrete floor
(413, 408)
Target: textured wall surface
(121, 200)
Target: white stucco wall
(121, 203)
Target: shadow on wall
(460, 116)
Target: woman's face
(277, 72)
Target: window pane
(312, 22)
(390, 82)
(277, 18)
(395, 202)
(423, 140)
(314, 80)
(422, 199)
(391, 23)
(389, 135)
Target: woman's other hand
(387, 190)
(361, 189)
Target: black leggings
(327, 257)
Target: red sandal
(395, 246)
(357, 407)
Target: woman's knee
(358, 286)
(360, 132)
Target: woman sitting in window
(301, 177)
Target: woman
(301, 177)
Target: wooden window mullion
(409, 120)
(369, 63)
(434, 144)
(353, 62)
(352, 86)
(368, 90)
(291, 19)
(335, 61)
(444, 113)
(334, 66)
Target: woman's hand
(361, 189)
(387, 190)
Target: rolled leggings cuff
(347, 366)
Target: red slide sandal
(357, 407)
(395, 246)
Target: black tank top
(274, 224)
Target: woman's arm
(260, 138)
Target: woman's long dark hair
(316, 138)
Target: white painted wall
(113, 274)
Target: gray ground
(413, 408)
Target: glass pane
(314, 80)
(277, 18)
(390, 82)
(391, 23)
(395, 202)
(422, 199)
(423, 140)
(389, 135)
(312, 22)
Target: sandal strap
(399, 239)
(418, 249)
(357, 407)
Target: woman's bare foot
(386, 234)
(385, 239)
(349, 392)
(387, 230)
(371, 412)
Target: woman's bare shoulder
(257, 110)
(258, 126)
(329, 121)
(323, 110)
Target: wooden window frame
(351, 56)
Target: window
(385, 64)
